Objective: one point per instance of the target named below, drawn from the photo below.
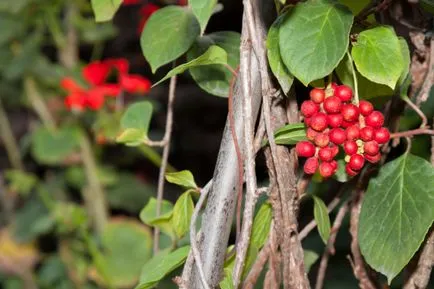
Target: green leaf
(277, 66)
(202, 9)
(396, 213)
(53, 147)
(182, 212)
(377, 55)
(261, 225)
(132, 137)
(227, 282)
(322, 218)
(161, 265)
(215, 79)
(214, 55)
(135, 123)
(168, 34)
(314, 37)
(310, 257)
(182, 178)
(148, 215)
(104, 10)
(20, 181)
(290, 134)
(405, 52)
(427, 5)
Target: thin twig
(257, 267)
(165, 157)
(329, 249)
(418, 111)
(413, 132)
(260, 133)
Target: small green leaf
(104, 10)
(135, 123)
(214, 55)
(20, 181)
(377, 55)
(215, 79)
(322, 218)
(227, 282)
(310, 258)
(182, 178)
(314, 37)
(202, 9)
(161, 265)
(132, 137)
(168, 34)
(261, 225)
(277, 66)
(290, 134)
(396, 214)
(182, 212)
(148, 215)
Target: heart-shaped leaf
(203, 10)
(148, 215)
(135, 123)
(182, 178)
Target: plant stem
(154, 157)
(9, 141)
(413, 132)
(353, 70)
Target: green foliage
(378, 57)
(20, 181)
(290, 134)
(161, 265)
(216, 79)
(104, 10)
(168, 34)
(214, 55)
(148, 215)
(261, 225)
(310, 258)
(182, 178)
(202, 9)
(311, 47)
(135, 123)
(396, 214)
(322, 218)
(182, 212)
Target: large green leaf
(168, 34)
(322, 218)
(161, 265)
(277, 66)
(214, 55)
(215, 79)
(182, 212)
(261, 225)
(377, 55)
(313, 38)
(135, 123)
(104, 10)
(182, 178)
(396, 213)
(202, 9)
(405, 52)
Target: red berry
(350, 147)
(350, 112)
(365, 107)
(333, 85)
(319, 121)
(373, 159)
(371, 148)
(311, 133)
(305, 149)
(356, 162)
(343, 92)
(382, 135)
(337, 136)
(317, 95)
(309, 108)
(347, 124)
(334, 164)
(332, 104)
(325, 154)
(353, 132)
(335, 120)
(367, 133)
(375, 119)
(326, 169)
(322, 140)
(311, 165)
(308, 121)
(334, 149)
(350, 171)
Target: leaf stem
(356, 87)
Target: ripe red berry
(309, 108)
(311, 165)
(317, 95)
(322, 140)
(350, 112)
(337, 136)
(311, 133)
(307, 121)
(375, 119)
(367, 133)
(305, 149)
(373, 159)
(319, 121)
(350, 171)
(326, 169)
(334, 149)
(382, 135)
(333, 85)
(343, 92)
(365, 107)
(371, 148)
(352, 132)
(325, 154)
(332, 104)
(356, 162)
(350, 147)
(335, 120)
(334, 164)
(347, 124)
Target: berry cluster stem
(353, 70)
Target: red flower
(96, 72)
(95, 98)
(110, 89)
(76, 101)
(121, 64)
(134, 83)
(145, 12)
(70, 85)
(130, 2)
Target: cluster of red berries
(333, 121)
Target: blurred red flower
(134, 83)
(130, 2)
(145, 12)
